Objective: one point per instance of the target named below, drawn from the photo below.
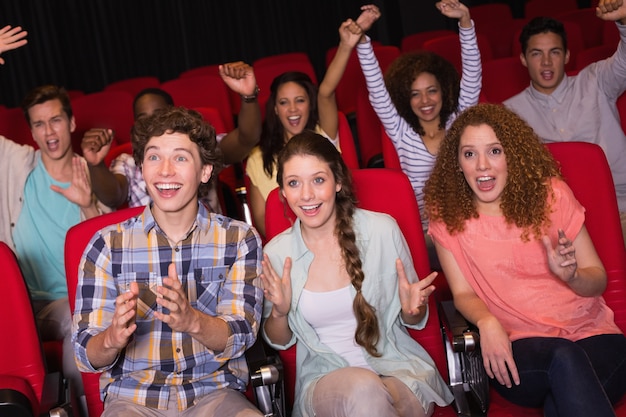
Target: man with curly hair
(166, 301)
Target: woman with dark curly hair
(341, 283)
(296, 104)
(421, 94)
(513, 245)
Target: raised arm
(349, 35)
(378, 95)
(236, 145)
(471, 77)
(455, 10)
(11, 38)
(612, 71)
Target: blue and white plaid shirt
(218, 262)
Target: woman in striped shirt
(420, 96)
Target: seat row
(503, 77)
(384, 190)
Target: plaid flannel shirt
(218, 263)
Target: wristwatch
(252, 97)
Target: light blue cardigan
(380, 242)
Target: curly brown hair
(406, 68)
(310, 143)
(178, 120)
(526, 198)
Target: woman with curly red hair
(513, 245)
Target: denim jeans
(569, 379)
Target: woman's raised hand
(277, 289)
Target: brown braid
(367, 332)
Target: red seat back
(13, 126)
(552, 8)
(449, 47)
(76, 241)
(390, 155)
(597, 194)
(21, 356)
(104, 109)
(202, 91)
(503, 78)
(346, 143)
(133, 85)
(415, 41)
(585, 18)
(213, 69)
(495, 21)
(593, 54)
(352, 79)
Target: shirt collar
(202, 221)
(300, 249)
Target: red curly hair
(527, 196)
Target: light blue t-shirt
(39, 235)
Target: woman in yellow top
(296, 104)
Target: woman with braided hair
(341, 283)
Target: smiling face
(173, 171)
(309, 187)
(483, 163)
(51, 129)
(545, 59)
(426, 99)
(292, 108)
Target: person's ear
(522, 59)
(207, 170)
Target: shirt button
(177, 350)
(177, 249)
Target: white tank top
(330, 314)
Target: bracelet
(252, 97)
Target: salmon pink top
(513, 278)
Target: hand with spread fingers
(562, 258)
(11, 38)
(277, 289)
(414, 296)
(182, 317)
(123, 324)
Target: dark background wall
(86, 44)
